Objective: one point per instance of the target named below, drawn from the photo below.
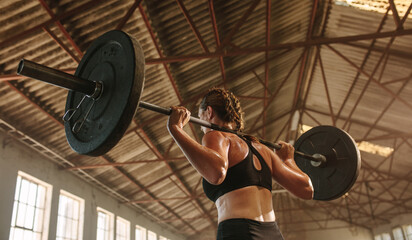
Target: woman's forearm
(303, 178)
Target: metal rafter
(123, 163)
(60, 17)
(389, 131)
(60, 43)
(196, 97)
(157, 181)
(192, 26)
(392, 6)
(129, 13)
(62, 28)
(365, 59)
(239, 24)
(273, 47)
(303, 67)
(326, 86)
(265, 93)
(276, 93)
(166, 67)
(217, 40)
(370, 76)
(385, 109)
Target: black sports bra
(241, 175)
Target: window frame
(144, 231)
(151, 232)
(81, 212)
(406, 235)
(127, 226)
(111, 222)
(401, 231)
(47, 203)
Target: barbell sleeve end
(58, 78)
(318, 160)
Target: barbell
(105, 94)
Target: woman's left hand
(179, 117)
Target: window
(383, 236)
(162, 238)
(407, 229)
(31, 208)
(105, 221)
(151, 235)
(122, 229)
(397, 234)
(140, 233)
(70, 217)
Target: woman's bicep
(218, 143)
(216, 164)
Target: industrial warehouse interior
(293, 64)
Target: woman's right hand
(179, 117)
(286, 151)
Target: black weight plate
(343, 161)
(116, 60)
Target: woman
(237, 173)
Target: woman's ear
(209, 112)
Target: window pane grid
(407, 229)
(140, 233)
(397, 233)
(68, 218)
(122, 229)
(28, 210)
(104, 225)
(151, 235)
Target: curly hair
(225, 104)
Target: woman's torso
(251, 202)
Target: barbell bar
(94, 89)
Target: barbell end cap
(319, 160)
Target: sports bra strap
(254, 151)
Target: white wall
(353, 233)
(334, 229)
(15, 156)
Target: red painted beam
(239, 23)
(192, 25)
(166, 67)
(365, 59)
(122, 163)
(265, 93)
(326, 87)
(60, 43)
(61, 27)
(309, 43)
(395, 15)
(74, 11)
(217, 40)
(129, 13)
(371, 78)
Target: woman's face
(203, 116)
